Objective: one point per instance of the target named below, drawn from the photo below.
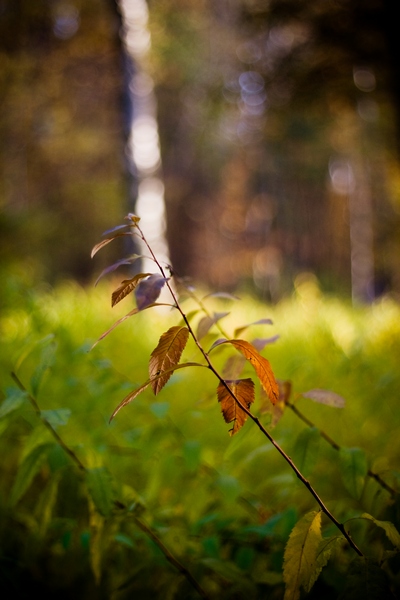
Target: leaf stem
(299, 475)
(119, 505)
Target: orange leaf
(261, 366)
(167, 354)
(126, 287)
(243, 389)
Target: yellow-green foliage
(224, 507)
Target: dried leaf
(300, 558)
(126, 287)
(240, 330)
(207, 322)
(233, 367)
(260, 343)
(148, 290)
(133, 218)
(132, 395)
(243, 389)
(166, 355)
(325, 397)
(261, 366)
(103, 243)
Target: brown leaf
(103, 243)
(207, 322)
(126, 287)
(243, 389)
(240, 330)
(166, 355)
(261, 366)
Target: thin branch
(336, 446)
(119, 505)
(299, 475)
(47, 424)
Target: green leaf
(306, 449)
(365, 581)
(354, 469)
(14, 399)
(301, 552)
(46, 361)
(389, 528)
(29, 467)
(99, 484)
(324, 552)
(56, 417)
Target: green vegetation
(161, 502)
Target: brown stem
(119, 505)
(48, 425)
(252, 417)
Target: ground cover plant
(161, 501)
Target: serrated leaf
(388, 527)
(207, 322)
(103, 243)
(99, 484)
(261, 366)
(240, 330)
(306, 449)
(323, 555)
(365, 581)
(14, 399)
(132, 395)
(126, 287)
(30, 466)
(243, 389)
(325, 397)
(300, 558)
(166, 355)
(354, 469)
(148, 290)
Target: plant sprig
(235, 396)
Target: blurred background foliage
(279, 134)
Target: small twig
(336, 446)
(299, 475)
(47, 424)
(170, 557)
(119, 505)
